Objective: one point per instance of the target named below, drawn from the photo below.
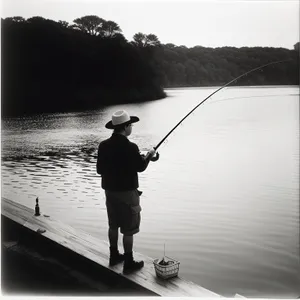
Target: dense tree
(36, 19)
(15, 19)
(145, 40)
(64, 23)
(152, 40)
(170, 45)
(109, 29)
(200, 66)
(47, 66)
(89, 24)
(139, 39)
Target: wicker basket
(166, 271)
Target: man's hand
(152, 155)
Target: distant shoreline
(53, 66)
(233, 86)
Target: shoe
(130, 265)
(115, 257)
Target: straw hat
(121, 117)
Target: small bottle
(37, 208)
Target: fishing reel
(156, 157)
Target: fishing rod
(222, 87)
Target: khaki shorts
(123, 211)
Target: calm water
(224, 196)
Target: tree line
(50, 66)
(200, 66)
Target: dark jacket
(118, 162)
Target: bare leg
(113, 235)
(130, 264)
(128, 243)
(115, 257)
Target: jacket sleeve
(100, 160)
(139, 161)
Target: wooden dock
(90, 256)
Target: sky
(246, 23)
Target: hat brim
(133, 119)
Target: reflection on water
(224, 197)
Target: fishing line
(225, 85)
(263, 96)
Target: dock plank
(98, 251)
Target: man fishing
(118, 162)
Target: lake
(223, 197)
